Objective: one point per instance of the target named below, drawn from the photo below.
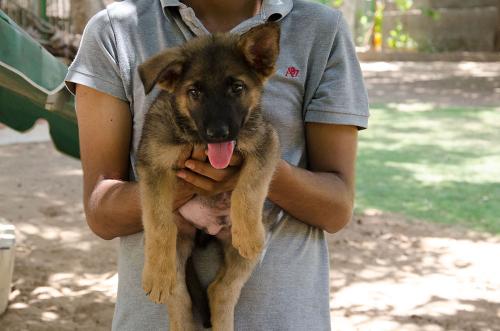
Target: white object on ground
(7, 249)
(39, 133)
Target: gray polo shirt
(318, 80)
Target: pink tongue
(220, 154)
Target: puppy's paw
(158, 286)
(249, 248)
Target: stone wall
(463, 25)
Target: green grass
(441, 165)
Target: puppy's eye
(237, 88)
(194, 93)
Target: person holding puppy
(317, 102)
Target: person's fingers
(199, 153)
(183, 156)
(201, 182)
(207, 185)
(205, 169)
(236, 159)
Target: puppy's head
(216, 81)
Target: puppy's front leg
(160, 233)
(248, 197)
(247, 200)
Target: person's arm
(111, 202)
(322, 195)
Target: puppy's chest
(221, 201)
(208, 212)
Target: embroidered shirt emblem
(292, 72)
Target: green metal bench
(32, 87)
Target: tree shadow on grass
(439, 172)
(411, 182)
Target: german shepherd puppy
(211, 94)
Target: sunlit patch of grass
(441, 165)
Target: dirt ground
(387, 272)
(64, 276)
(444, 84)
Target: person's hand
(193, 212)
(207, 180)
(186, 191)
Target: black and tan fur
(216, 67)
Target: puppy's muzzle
(217, 133)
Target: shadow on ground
(442, 84)
(388, 272)
(392, 273)
(64, 276)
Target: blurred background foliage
(380, 25)
(408, 156)
(423, 25)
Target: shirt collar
(276, 9)
(170, 3)
(271, 9)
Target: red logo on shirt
(292, 72)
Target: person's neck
(223, 15)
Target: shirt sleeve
(96, 63)
(341, 96)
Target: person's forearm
(114, 209)
(319, 199)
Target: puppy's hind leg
(179, 303)
(224, 292)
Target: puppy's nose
(219, 132)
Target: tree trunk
(348, 9)
(82, 11)
(497, 37)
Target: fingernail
(189, 164)
(181, 174)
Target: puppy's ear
(261, 47)
(163, 69)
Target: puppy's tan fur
(171, 130)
